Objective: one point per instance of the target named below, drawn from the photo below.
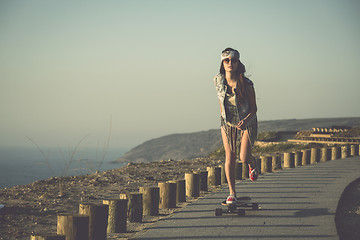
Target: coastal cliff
(200, 144)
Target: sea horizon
(24, 165)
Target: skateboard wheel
(218, 212)
(241, 212)
(232, 209)
(255, 206)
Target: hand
(241, 125)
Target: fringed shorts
(233, 134)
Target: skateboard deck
(239, 207)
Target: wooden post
(276, 162)
(289, 160)
(238, 170)
(315, 155)
(192, 184)
(335, 153)
(167, 195)
(151, 199)
(245, 170)
(117, 215)
(203, 181)
(214, 176)
(298, 158)
(258, 160)
(348, 146)
(325, 154)
(266, 164)
(98, 219)
(73, 226)
(180, 190)
(47, 237)
(353, 151)
(328, 149)
(306, 153)
(135, 206)
(223, 174)
(345, 151)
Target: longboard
(239, 207)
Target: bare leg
(230, 158)
(245, 150)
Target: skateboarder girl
(238, 116)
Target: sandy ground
(33, 208)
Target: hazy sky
(69, 68)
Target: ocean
(24, 165)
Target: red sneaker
(231, 199)
(253, 174)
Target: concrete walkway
(298, 203)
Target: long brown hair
(242, 85)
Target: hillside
(175, 146)
(199, 144)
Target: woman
(238, 116)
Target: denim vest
(221, 88)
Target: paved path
(297, 203)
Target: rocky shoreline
(33, 208)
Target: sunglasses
(227, 60)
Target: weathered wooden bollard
(315, 155)
(167, 195)
(345, 151)
(223, 174)
(329, 151)
(276, 162)
(258, 160)
(325, 154)
(73, 226)
(289, 160)
(117, 215)
(180, 190)
(266, 164)
(245, 170)
(353, 150)
(214, 176)
(134, 207)
(348, 150)
(151, 199)
(192, 183)
(47, 237)
(238, 170)
(203, 181)
(98, 219)
(306, 154)
(298, 158)
(335, 153)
